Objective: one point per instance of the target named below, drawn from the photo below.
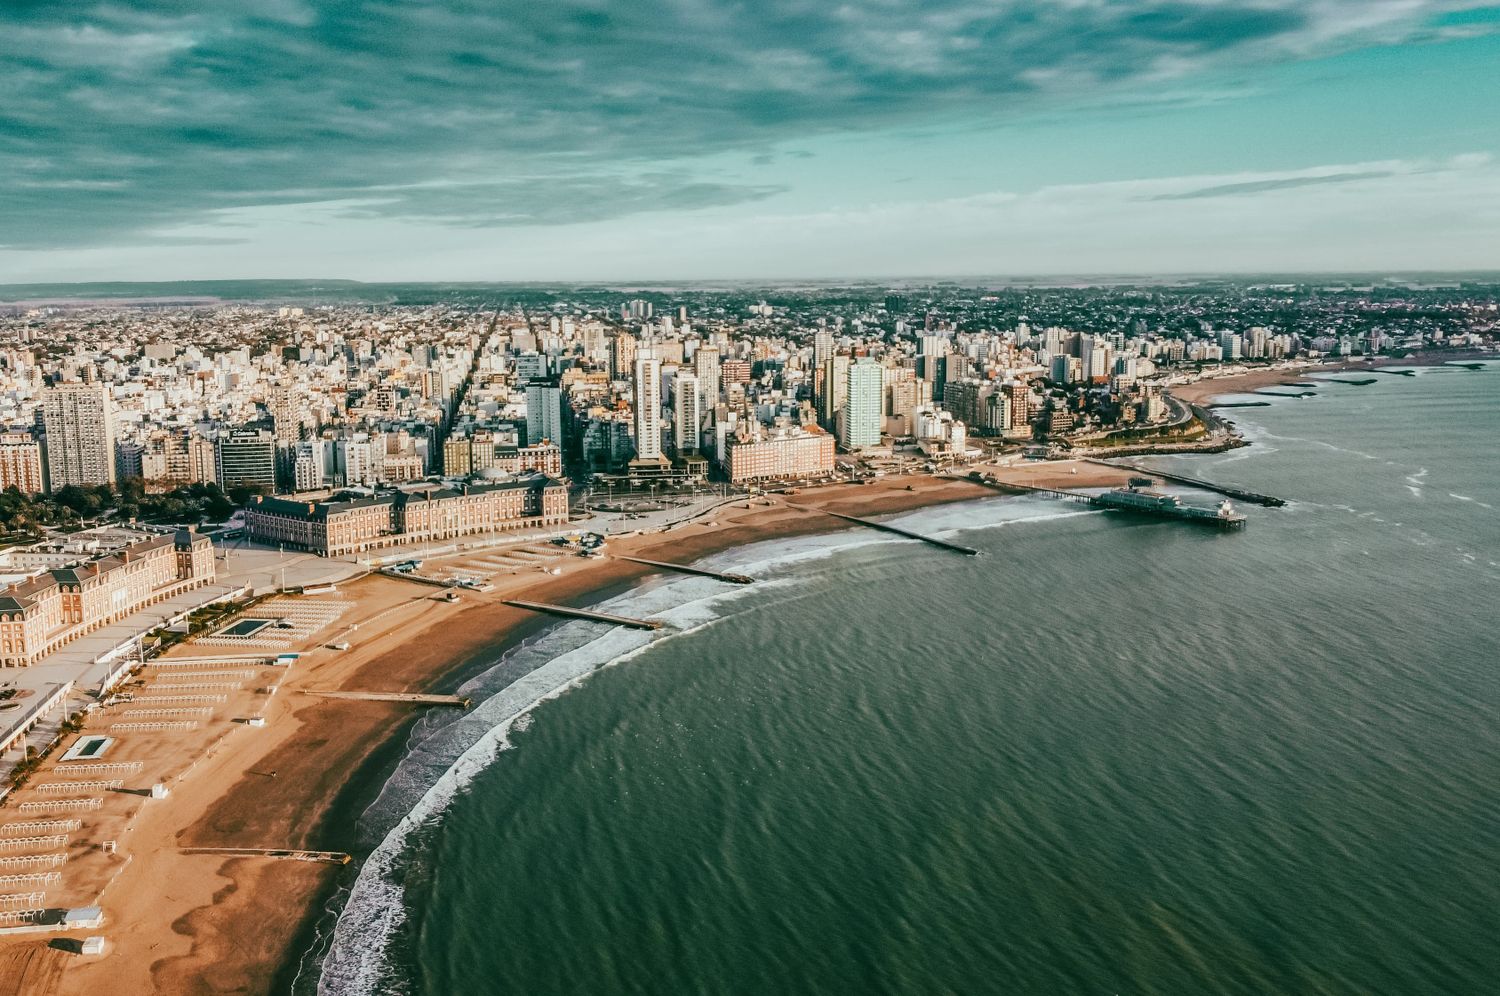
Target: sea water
(1108, 755)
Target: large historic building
(46, 611)
(780, 452)
(352, 523)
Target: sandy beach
(204, 923)
(1206, 390)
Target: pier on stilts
(1228, 491)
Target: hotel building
(349, 524)
(46, 611)
(785, 451)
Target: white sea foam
(1468, 498)
(455, 752)
(374, 911)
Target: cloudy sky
(614, 140)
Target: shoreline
(203, 922)
(196, 922)
(1203, 391)
(764, 524)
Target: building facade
(247, 458)
(784, 452)
(647, 409)
(688, 421)
(346, 525)
(21, 463)
(46, 611)
(544, 419)
(859, 424)
(172, 458)
(80, 424)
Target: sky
(758, 139)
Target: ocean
(1108, 755)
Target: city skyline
(772, 141)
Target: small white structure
(93, 945)
(256, 721)
(83, 916)
(160, 791)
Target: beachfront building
(782, 451)
(43, 612)
(689, 411)
(647, 406)
(860, 417)
(350, 523)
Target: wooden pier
(684, 569)
(1238, 494)
(410, 698)
(886, 527)
(568, 612)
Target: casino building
(47, 610)
(350, 522)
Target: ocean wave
(445, 755)
(358, 961)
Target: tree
(80, 501)
(241, 493)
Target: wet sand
(1293, 377)
(196, 923)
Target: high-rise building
(80, 424)
(647, 406)
(933, 368)
(544, 412)
(21, 463)
(859, 427)
(287, 414)
(622, 356)
(247, 458)
(822, 346)
(835, 389)
(689, 414)
(309, 465)
(1018, 394)
(172, 458)
(706, 368)
(735, 371)
(1231, 344)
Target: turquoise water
(1106, 756)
